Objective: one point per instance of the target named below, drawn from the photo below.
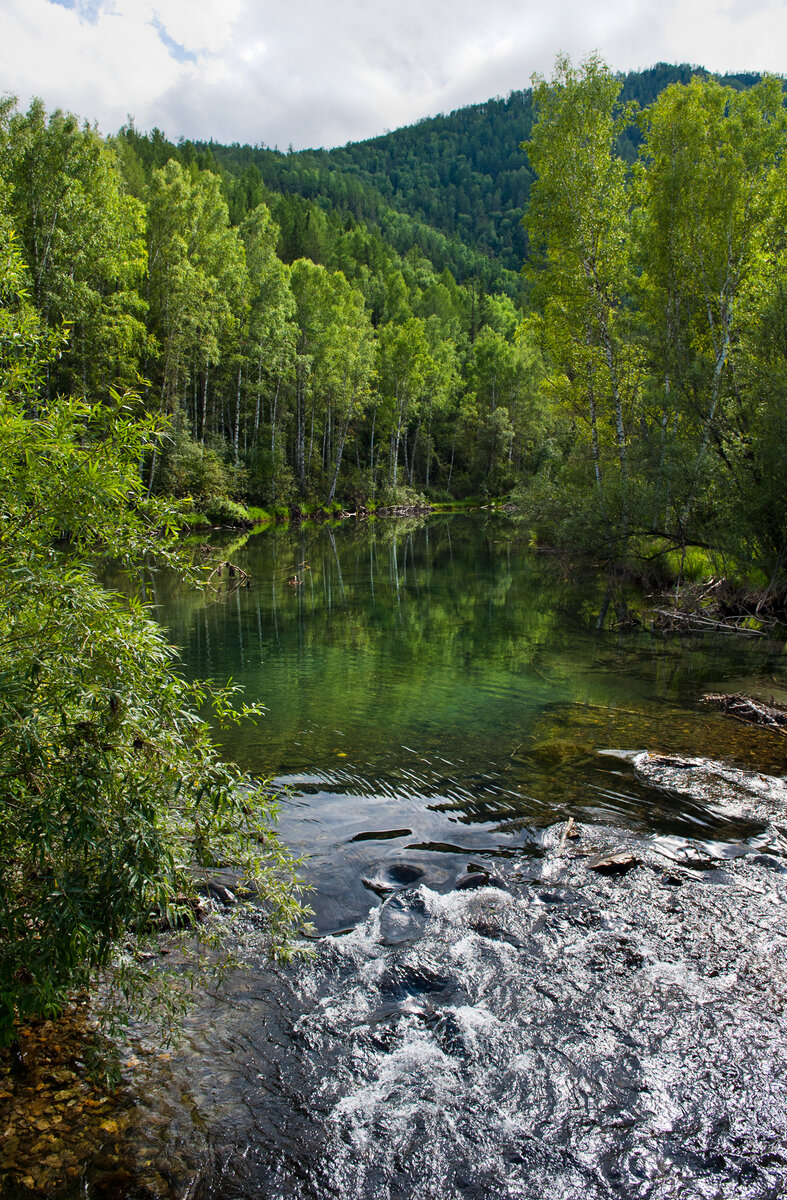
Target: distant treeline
(295, 352)
(345, 325)
(456, 186)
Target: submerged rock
(393, 877)
(768, 860)
(559, 750)
(217, 891)
(394, 1009)
(477, 879)
(403, 918)
(725, 789)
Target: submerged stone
(558, 750)
(403, 918)
(393, 877)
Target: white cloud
(99, 69)
(316, 74)
(199, 25)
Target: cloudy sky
(324, 72)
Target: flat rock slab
(614, 864)
(724, 788)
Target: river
(485, 1014)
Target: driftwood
(614, 864)
(715, 606)
(570, 831)
(753, 712)
(697, 622)
(235, 576)
(402, 510)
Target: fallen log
(752, 712)
(236, 578)
(233, 572)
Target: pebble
(54, 1123)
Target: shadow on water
(440, 704)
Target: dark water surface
(440, 702)
(436, 691)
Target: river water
(485, 1014)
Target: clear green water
(437, 695)
(441, 698)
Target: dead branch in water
(235, 576)
(752, 712)
(675, 619)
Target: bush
(693, 564)
(260, 516)
(399, 497)
(195, 520)
(222, 511)
(190, 469)
(113, 798)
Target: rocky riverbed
(557, 1029)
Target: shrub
(222, 511)
(260, 516)
(113, 798)
(191, 469)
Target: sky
(325, 72)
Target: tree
(405, 363)
(113, 801)
(350, 365)
(197, 282)
(578, 223)
(711, 200)
(503, 375)
(334, 365)
(83, 242)
(272, 334)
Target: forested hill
(456, 186)
(311, 342)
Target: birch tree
(578, 224)
(708, 189)
(83, 241)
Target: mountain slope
(462, 176)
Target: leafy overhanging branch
(113, 798)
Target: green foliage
(455, 186)
(222, 511)
(689, 564)
(710, 235)
(661, 291)
(113, 800)
(190, 469)
(399, 496)
(194, 520)
(578, 225)
(321, 327)
(82, 240)
(196, 276)
(260, 516)
(278, 378)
